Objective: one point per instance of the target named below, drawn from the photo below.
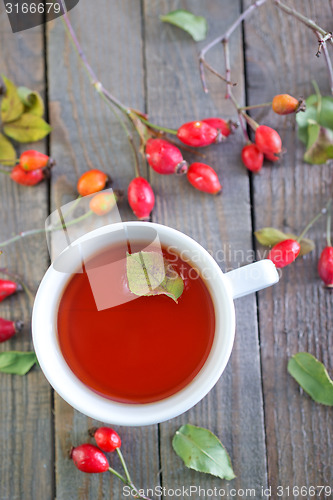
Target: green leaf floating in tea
(148, 273)
(312, 375)
(202, 451)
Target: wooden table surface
(275, 434)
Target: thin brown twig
(325, 35)
(203, 63)
(322, 41)
(97, 84)
(329, 65)
(243, 127)
(93, 77)
(322, 35)
(226, 50)
(328, 60)
(222, 39)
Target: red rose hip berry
(222, 126)
(164, 157)
(252, 158)
(9, 328)
(33, 160)
(89, 458)
(141, 197)
(27, 178)
(198, 134)
(268, 140)
(271, 157)
(204, 178)
(325, 266)
(91, 182)
(8, 288)
(284, 253)
(106, 438)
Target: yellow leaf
(11, 105)
(28, 128)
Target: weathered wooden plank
(233, 410)
(26, 441)
(87, 135)
(296, 315)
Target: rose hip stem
(158, 127)
(126, 480)
(49, 229)
(127, 474)
(97, 84)
(328, 224)
(322, 212)
(256, 106)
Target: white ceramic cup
(224, 288)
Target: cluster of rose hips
(32, 168)
(162, 156)
(9, 328)
(267, 143)
(165, 158)
(91, 459)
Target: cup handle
(251, 278)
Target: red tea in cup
(144, 349)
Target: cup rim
(84, 399)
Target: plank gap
(254, 244)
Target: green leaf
(28, 128)
(312, 376)
(326, 113)
(32, 101)
(7, 151)
(196, 26)
(315, 129)
(319, 110)
(148, 273)
(302, 119)
(320, 144)
(313, 133)
(269, 236)
(11, 105)
(17, 362)
(202, 451)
